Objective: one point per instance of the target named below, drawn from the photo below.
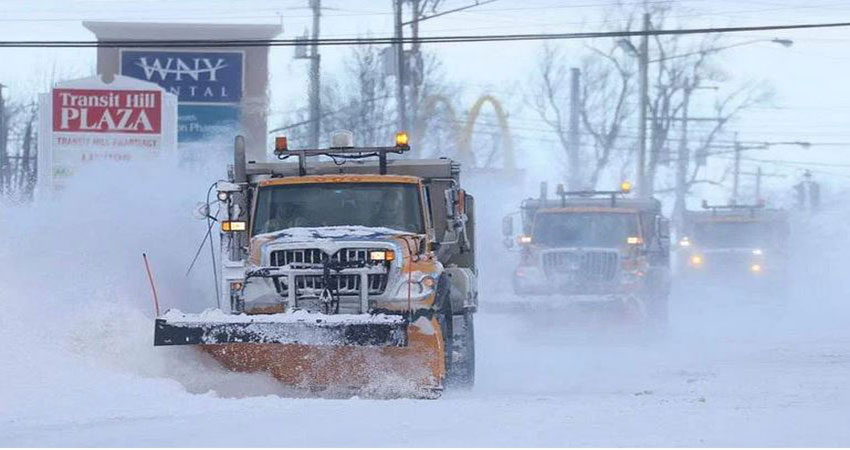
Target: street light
(642, 54)
(783, 42)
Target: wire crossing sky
(393, 40)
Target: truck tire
(444, 318)
(462, 374)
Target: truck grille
(315, 256)
(308, 288)
(312, 285)
(582, 266)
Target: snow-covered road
(766, 383)
(78, 368)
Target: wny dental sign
(90, 121)
(208, 84)
(107, 111)
(194, 76)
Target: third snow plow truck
(593, 248)
(725, 245)
(351, 274)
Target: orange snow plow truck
(343, 271)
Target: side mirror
(508, 226)
(456, 203)
(202, 211)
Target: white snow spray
(75, 289)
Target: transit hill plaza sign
(102, 111)
(88, 120)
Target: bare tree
(366, 110)
(361, 100)
(725, 110)
(18, 151)
(679, 64)
(608, 84)
(549, 97)
(606, 87)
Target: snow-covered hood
(332, 239)
(337, 233)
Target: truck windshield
(390, 205)
(749, 234)
(584, 229)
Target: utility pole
(758, 184)
(683, 159)
(643, 62)
(5, 171)
(315, 89)
(737, 174)
(401, 68)
(574, 140)
(415, 74)
(411, 119)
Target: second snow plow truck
(348, 274)
(593, 248)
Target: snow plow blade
(306, 329)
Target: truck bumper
(318, 330)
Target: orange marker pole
(153, 287)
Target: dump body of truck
(343, 274)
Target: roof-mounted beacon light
(402, 140)
(280, 145)
(342, 139)
(561, 192)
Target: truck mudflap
(298, 328)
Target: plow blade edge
(370, 333)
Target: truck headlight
(696, 260)
(428, 281)
(382, 255)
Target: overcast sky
(810, 78)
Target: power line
(394, 40)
